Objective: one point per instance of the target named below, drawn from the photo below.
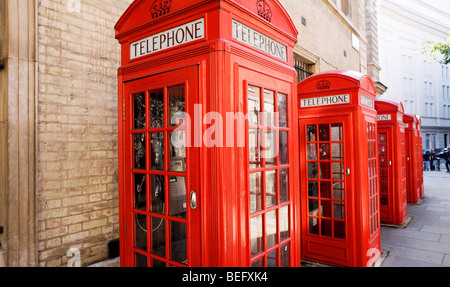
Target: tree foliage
(437, 51)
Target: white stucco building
(423, 87)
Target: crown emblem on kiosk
(323, 85)
(264, 10)
(160, 8)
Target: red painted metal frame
(412, 153)
(420, 157)
(396, 211)
(223, 66)
(362, 245)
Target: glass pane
(313, 207)
(326, 227)
(282, 110)
(157, 151)
(336, 132)
(283, 148)
(338, 171)
(158, 199)
(284, 256)
(325, 171)
(256, 189)
(256, 233)
(325, 189)
(284, 186)
(254, 105)
(272, 258)
(324, 133)
(314, 226)
(139, 111)
(271, 150)
(339, 229)
(313, 189)
(258, 263)
(140, 192)
(284, 223)
(339, 210)
(178, 196)
(337, 151)
(141, 260)
(325, 208)
(157, 263)
(312, 170)
(338, 191)
(177, 151)
(311, 133)
(271, 229)
(269, 108)
(139, 152)
(254, 149)
(312, 151)
(140, 230)
(176, 104)
(271, 190)
(324, 151)
(178, 244)
(157, 109)
(159, 237)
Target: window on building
(346, 7)
(428, 141)
(304, 70)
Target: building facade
(59, 115)
(422, 86)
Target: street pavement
(425, 242)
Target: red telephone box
(412, 160)
(208, 134)
(392, 162)
(420, 157)
(338, 160)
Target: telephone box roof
(337, 80)
(144, 13)
(390, 105)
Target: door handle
(193, 200)
(348, 172)
(390, 163)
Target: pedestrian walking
(432, 157)
(447, 159)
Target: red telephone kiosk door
(411, 148)
(327, 156)
(392, 162)
(160, 171)
(385, 171)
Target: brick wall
(77, 128)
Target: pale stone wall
(327, 34)
(77, 166)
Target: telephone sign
(171, 38)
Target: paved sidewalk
(425, 242)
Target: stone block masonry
(77, 166)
